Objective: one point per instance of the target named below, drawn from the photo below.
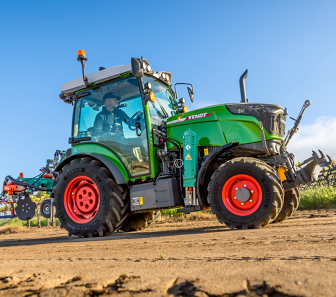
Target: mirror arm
(192, 88)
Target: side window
(163, 107)
(113, 115)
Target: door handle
(137, 128)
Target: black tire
(111, 206)
(138, 221)
(291, 203)
(269, 198)
(45, 208)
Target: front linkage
(308, 171)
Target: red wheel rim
(242, 195)
(81, 199)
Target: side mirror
(190, 91)
(191, 94)
(137, 70)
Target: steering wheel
(133, 117)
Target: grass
(18, 223)
(171, 215)
(7, 229)
(318, 198)
(161, 254)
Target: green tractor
(148, 153)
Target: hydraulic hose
(8, 177)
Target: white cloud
(319, 135)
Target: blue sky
(287, 46)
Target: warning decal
(136, 201)
(188, 157)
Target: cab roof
(77, 84)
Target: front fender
(203, 174)
(118, 176)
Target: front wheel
(138, 221)
(245, 193)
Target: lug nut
(75, 210)
(88, 217)
(235, 197)
(71, 193)
(242, 203)
(252, 191)
(236, 189)
(245, 186)
(251, 200)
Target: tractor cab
(125, 128)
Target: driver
(110, 119)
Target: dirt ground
(194, 258)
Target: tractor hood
(220, 124)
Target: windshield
(113, 116)
(164, 105)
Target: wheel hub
(86, 199)
(81, 199)
(242, 195)
(46, 209)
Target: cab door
(127, 137)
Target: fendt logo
(198, 116)
(192, 117)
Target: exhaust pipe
(242, 87)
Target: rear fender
(117, 174)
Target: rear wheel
(140, 221)
(88, 201)
(245, 193)
(291, 203)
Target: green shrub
(318, 198)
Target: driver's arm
(125, 118)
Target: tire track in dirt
(198, 258)
(123, 286)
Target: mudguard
(119, 178)
(202, 174)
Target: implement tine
(326, 163)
